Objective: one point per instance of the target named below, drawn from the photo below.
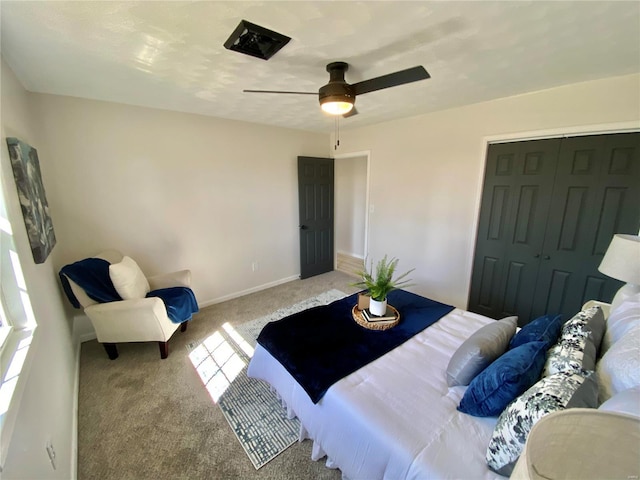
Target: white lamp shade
(622, 259)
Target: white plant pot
(378, 308)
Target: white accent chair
(133, 320)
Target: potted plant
(380, 282)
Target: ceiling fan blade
(391, 80)
(279, 91)
(350, 113)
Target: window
(5, 327)
(17, 326)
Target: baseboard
(87, 337)
(73, 468)
(248, 291)
(83, 330)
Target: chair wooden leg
(183, 326)
(112, 350)
(164, 349)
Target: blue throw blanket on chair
(180, 302)
(92, 275)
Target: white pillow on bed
(128, 279)
(627, 401)
(479, 350)
(619, 368)
(625, 317)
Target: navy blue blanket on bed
(321, 345)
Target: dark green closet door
(549, 210)
(596, 195)
(515, 206)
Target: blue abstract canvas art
(33, 201)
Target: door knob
(537, 255)
(546, 257)
(303, 227)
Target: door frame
(342, 156)
(573, 131)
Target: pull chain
(337, 144)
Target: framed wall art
(33, 201)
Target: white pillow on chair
(128, 279)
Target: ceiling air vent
(255, 40)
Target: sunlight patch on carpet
(253, 411)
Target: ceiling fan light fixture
(337, 97)
(336, 107)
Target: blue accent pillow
(542, 329)
(505, 379)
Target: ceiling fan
(338, 97)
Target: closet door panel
(515, 205)
(596, 194)
(492, 235)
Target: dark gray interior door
(315, 192)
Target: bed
(396, 417)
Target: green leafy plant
(380, 282)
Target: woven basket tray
(362, 321)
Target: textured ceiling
(170, 55)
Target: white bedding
(395, 418)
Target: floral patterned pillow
(576, 349)
(575, 327)
(553, 393)
(571, 354)
(587, 323)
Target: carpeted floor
(254, 412)
(140, 417)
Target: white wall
(426, 172)
(176, 191)
(350, 200)
(46, 409)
